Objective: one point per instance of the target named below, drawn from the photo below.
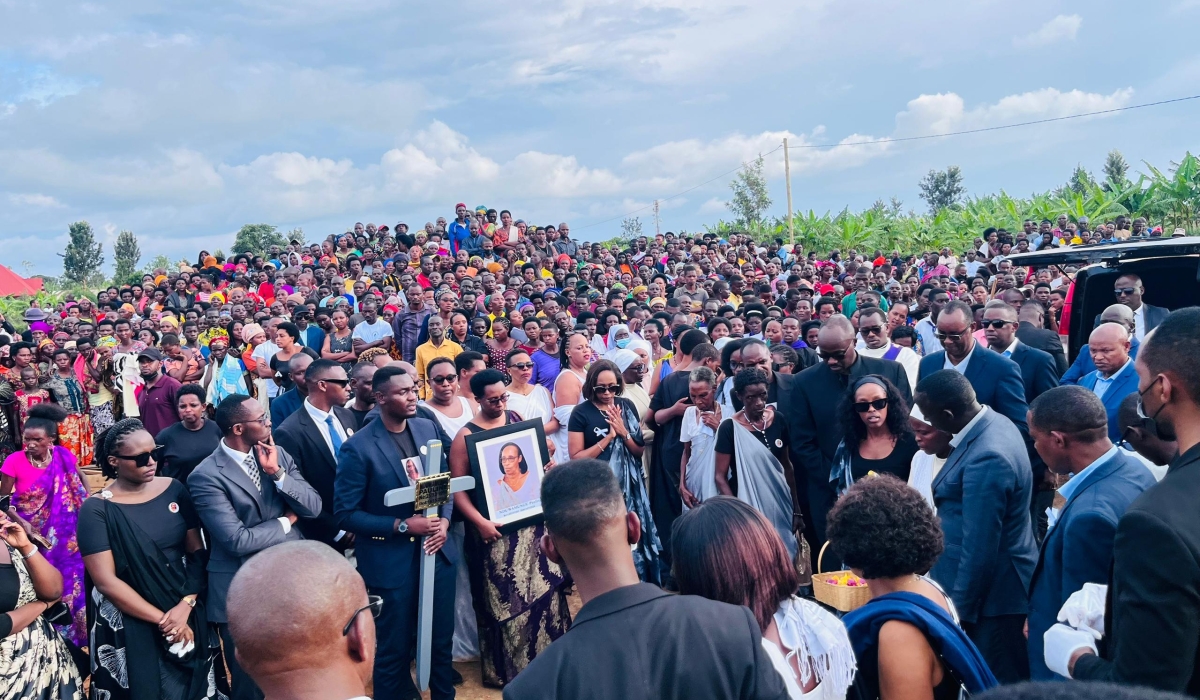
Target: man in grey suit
(248, 494)
(982, 496)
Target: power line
(904, 139)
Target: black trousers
(396, 635)
(1001, 640)
(244, 687)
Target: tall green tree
(84, 254)
(257, 238)
(126, 255)
(1116, 172)
(750, 196)
(631, 229)
(942, 189)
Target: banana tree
(1176, 197)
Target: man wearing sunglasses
(808, 401)
(1128, 289)
(874, 330)
(249, 495)
(313, 435)
(333, 657)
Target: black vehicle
(1169, 268)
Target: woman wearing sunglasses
(877, 436)
(140, 540)
(531, 401)
(606, 427)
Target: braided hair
(108, 441)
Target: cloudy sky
(183, 121)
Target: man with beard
(156, 404)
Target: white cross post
(408, 494)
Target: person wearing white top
(874, 331)
(929, 460)
(727, 551)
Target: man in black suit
(624, 623)
(665, 415)
(314, 436)
(249, 495)
(1031, 333)
(386, 454)
(1152, 616)
(1128, 289)
(1039, 375)
(808, 402)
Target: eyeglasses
(1124, 291)
(444, 379)
(143, 460)
(994, 323)
(607, 389)
(261, 420)
(522, 365)
(374, 604)
(952, 336)
(838, 355)
(864, 406)
(870, 330)
(497, 400)
(638, 368)
(340, 382)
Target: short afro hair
(884, 528)
(578, 497)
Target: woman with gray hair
(699, 437)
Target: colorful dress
(520, 597)
(49, 498)
(35, 663)
(75, 432)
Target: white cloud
(713, 206)
(44, 201)
(947, 112)
(1056, 31)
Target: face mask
(622, 342)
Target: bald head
(1118, 313)
(287, 607)
(1109, 345)
(408, 368)
(838, 329)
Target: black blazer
(1151, 316)
(368, 467)
(1038, 371)
(1045, 340)
(640, 643)
(808, 402)
(1152, 621)
(302, 439)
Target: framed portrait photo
(508, 464)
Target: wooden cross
(428, 495)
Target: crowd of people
(722, 417)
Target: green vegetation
(1169, 198)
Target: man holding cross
(385, 455)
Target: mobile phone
(5, 502)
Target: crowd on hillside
(723, 417)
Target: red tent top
(13, 285)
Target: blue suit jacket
(1124, 384)
(285, 405)
(1039, 374)
(1079, 548)
(997, 382)
(1083, 362)
(982, 496)
(368, 467)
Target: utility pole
(787, 174)
(656, 229)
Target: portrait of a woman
(514, 488)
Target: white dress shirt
(319, 417)
(961, 367)
(962, 434)
(240, 458)
(1139, 322)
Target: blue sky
(183, 121)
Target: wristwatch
(190, 602)
(402, 527)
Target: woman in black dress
(606, 427)
(876, 434)
(287, 337)
(752, 460)
(187, 443)
(140, 540)
(35, 662)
